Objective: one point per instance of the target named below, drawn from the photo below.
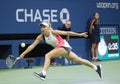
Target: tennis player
(61, 48)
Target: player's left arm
(70, 33)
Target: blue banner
(23, 16)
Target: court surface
(76, 74)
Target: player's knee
(47, 56)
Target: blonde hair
(50, 26)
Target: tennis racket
(11, 60)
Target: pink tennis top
(56, 41)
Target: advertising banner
(109, 42)
(24, 16)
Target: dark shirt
(95, 31)
(96, 27)
(63, 28)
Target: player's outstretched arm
(32, 46)
(70, 33)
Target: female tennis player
(61, 48)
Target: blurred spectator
(66, 27)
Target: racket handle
(17, 58)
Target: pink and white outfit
(57, 41)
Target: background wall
(23, 17)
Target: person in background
(95, 36)
(65, 27)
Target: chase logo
(34, 15)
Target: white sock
(95, 67)
(44, 72)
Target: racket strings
(10, 61)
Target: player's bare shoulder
(55, 32)
(39, 37)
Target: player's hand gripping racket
(11, 60)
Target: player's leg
(57, 52)
(72, 56)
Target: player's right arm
(32, 46)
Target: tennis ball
(22, 45)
